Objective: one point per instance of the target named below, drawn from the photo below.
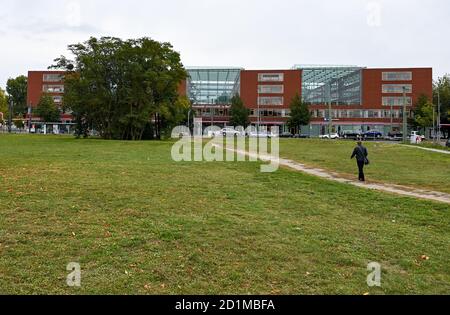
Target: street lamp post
(330, 115)
(434, 125)
(258, 127)
(405, 117)
(29, 117)
(392, 118)
(439, 118)
(11, 107)
(189, 119)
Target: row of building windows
(53, 88)
(57, 99)
(52, 77)
(397, 76)
(396, 101)
(397, 88)
(375, 113)
(318, 113)
(271, 77)
(271, 101)
(270, 89)
(270, 113)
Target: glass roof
(213, 86)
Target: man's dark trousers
(361, 171)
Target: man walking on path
(361, 154)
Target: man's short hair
(359, 142)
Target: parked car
(395, 136)
(262, 134)
(351, 135)
(332, 136)
(227, 132)
(373, 135)
(286, 135)
(302, 136)
(447, 144)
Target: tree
(47, 110)
(300, 114)
(17, 90)
(3, 107)
(239, 113)
(442, 85)
(423, 113)
(122, 88)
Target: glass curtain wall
(340, 84)
(213, 86)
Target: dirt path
(390, 188)
(428, 149)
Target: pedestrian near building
(361, 153)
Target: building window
(263, 101)
(271, 77)
(52, 77)
(396, 101)
(270, 89)
(397, 76)
(396, 88)
(57, 99)
(53, 88)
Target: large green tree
(300, 114)
(3, 107)
(47, 109)
(17, 91)
(423, 113)
(239, 114)
(442, 85)
(122, 88)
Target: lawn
(139, 223)
(390, 163)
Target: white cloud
(247, 33)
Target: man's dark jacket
(361, 154)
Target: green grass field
(139, 223)
(390, 163)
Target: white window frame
(396, 88)
(396, 75)
(262, 101)
(399, 101)
(268, 89)
(51, 77)
(271, 77)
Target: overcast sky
(266, 34)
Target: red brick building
(361, 99)
(50, 82)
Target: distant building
(361, 99)
(51, 82)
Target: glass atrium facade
(342, 85)
(213, 86)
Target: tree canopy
(300, 114)
(17, 91)
(47, 109)
(423, 113)
(3, 106)
(442, 85)
(124, 89)
(239, 113)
